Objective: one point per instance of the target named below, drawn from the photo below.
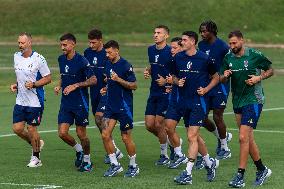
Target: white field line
(33, 185)
(141, 123)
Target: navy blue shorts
(172, 112)
(31, 115)
(102, 104)
(124, 117)
(194, 114)
(250, 114)
(68, 115)
(217, 101)
(157, 105)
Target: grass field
(58, 158)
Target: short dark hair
(166, 28)
(111, 44)
(95, 34)
(210, 27)
(26, 34)
(191, 34)
(177, 39)
(235, 33)
(68, 36)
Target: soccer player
(160, 59)
(192, 71)
(216, 49)
(244, 67)
(76, 76)
(172, 117)
(121, 81)
(96, 55)
(32, 74)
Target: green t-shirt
(251, 63)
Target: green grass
(132, 20)
(58, 158)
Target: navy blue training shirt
(196, 69)
(217, 52)
(73, 71)
(119, 97)
(160, 61)
(97, 60)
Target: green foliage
(260, 20)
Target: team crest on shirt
(230, 65)
(207, 52)
(95, 61)
(246, 64)
(188, 65)
(66, 69)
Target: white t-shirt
(32, 69)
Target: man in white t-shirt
(32, 74)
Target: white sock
(189, 166)
(132, 160)
(178, 151)
(78, 147)
(215, 132)
(224, 144)
(87, 158)
(113, 159)
(164, 149)
(207, 160)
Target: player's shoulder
(17, 54)
(254, 52)
(151, 47)
(87, 50)
(38, 56)
(201, 54)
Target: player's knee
(192, 137)
(18, 130)
(98, 120)
(150, 126)
(62, 134)
(218, 118)
(169, 130)
(126, 138)
(243, 138)
(106, 135)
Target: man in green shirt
(246, 68)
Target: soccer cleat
(200, 163)
(132, 171)
(86, 167)
(211, 171)
(164, 160)
(237, 181)
(34, 162)
(261, 176)
(183, 178)
(178, 161)
(79, 159)
(118, 154)
(113, 170)
(172, 154)
(224, 154)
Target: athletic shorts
(124, 117)
(69, 115)
(31, 115)
(157, 105)
(250, 114)
(102, 104)
(172, 113)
